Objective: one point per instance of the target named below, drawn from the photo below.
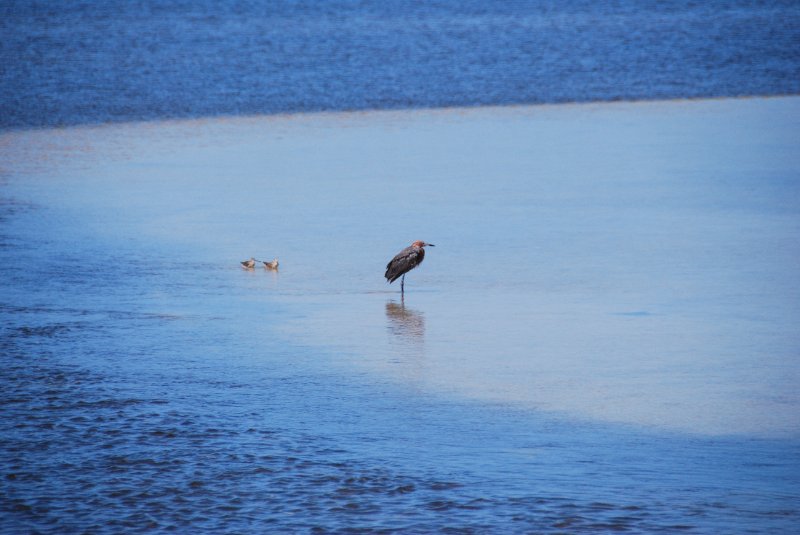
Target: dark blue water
(64, 63)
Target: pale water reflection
(630, 263)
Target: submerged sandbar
(625, 262)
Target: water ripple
(144, 463)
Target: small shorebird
(405, 261)
(270, 265)
(249, 264)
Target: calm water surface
(603, 339)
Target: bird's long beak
(430, 245)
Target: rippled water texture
(604, 337)
(96, 61)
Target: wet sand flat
(630, 262)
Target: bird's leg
(402, 283)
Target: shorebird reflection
(406, 332)
(405, 322)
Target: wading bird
(249, 264)
(405, 261)
(270, 265)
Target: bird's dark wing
(403, 262)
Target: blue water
(603, 339)
(116, 419)
(78, 62)
(621, 358)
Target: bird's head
(420, 243)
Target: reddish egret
(405, 261)
(270, 265)
(249, 264)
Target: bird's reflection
(405, 322)
(406, 330)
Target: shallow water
(603, 337)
